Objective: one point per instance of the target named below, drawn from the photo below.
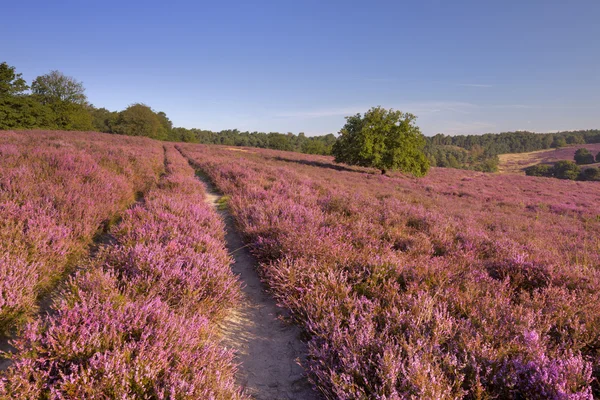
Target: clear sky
(302, 65)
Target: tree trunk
(383, 172)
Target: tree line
(56, 101)
(570, 170)
(480, 152)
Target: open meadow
(117, 280)
(517, 162)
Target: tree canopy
(583, 156)
(383, 139)
(56, 86)
(140, 120)
(11, 83)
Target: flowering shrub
(137, 322)
(457, 285)
(57, 189)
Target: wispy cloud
(476, 85)
(420, 108)
(465, 127)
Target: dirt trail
(267, 348)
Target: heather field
(136, 319)
(57, 190)
(117, 277)
(457, 285)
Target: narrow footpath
(268, 349)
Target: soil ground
(268, 349)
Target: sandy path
(267, 349)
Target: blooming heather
(457, 285)
(57, 189)
(137, 322)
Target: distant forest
(480, 152)
(56, 101)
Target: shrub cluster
(583, 156)
(136, 323)
(564, 170)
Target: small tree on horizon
(382, 139)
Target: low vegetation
(443, 287)
(57, 190)
(137, 320)
(566, 169)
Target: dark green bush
(583, 156)
(539, 170)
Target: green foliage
(482, 150)
(278, 141)
(183, 135)
(591, 174)
(559, 142)
(139, 120)
(102, 119)
(71, 116)
(447, 156)
(566, 170)
(383, 139)
(583, 156)
(24, 112)
(167, 125)
(574, 139)
(57, 87)
(539, 170)
(11, 83)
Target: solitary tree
(583, 156)
(11, 83)
(55, 86)
(383, 139)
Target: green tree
(24, 112)
(139, 120)
(559, 142)
(598, 157)
(103, 119)
(383, 139)
(583, 156)
(71, 116)
(55, 86)
(279, 141)
(591, 174)
(11, 83)
(566, 170)
(167, 125)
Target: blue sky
(301, 66)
